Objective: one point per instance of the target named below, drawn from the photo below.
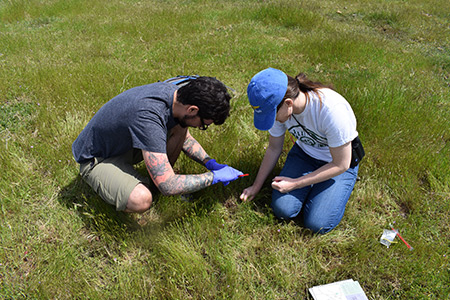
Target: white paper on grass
(333, 292)
(341, 290)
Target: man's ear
(192, 110)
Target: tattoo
(168, 182)
(183, 184)
(194, 150)
(156, 166)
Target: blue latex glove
(213, 165)
(226, 175)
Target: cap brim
(264, 121)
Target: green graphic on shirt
(308, 137)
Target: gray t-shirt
(138, 118)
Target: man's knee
(177, 136)
(178, 131)
(175, 143)
(140, 199)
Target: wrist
(208, 162)
(210, 178)
(299, 183)
(257, 184)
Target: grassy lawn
(61, 60)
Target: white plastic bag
(387, 237)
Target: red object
(243, 175)
(396, 231)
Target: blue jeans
(322, 204)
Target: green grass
(61, 60)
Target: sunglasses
(203, 126)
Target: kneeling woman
(318, 177)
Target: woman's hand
(284, 184)
(269, 161)
(249, 193)
(341, 161)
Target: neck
(176, 107)
(299, 103)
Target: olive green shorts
(113, 179)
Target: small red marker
(398, 234)
(243, 175)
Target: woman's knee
(285, 207)
(318, 226)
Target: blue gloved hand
(213, 165)
(226, 175)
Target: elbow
(166, 189)
(341, 168)
(274, 152)
(344, 168)
(164, 192)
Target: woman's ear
(289, 102)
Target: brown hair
(301, 83)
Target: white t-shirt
(331, 123)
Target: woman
(316, 179)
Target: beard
(182, 121)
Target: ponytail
(302, 84)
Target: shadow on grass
(103, 219)
(97, 215)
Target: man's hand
(226, 175)
(212, 165)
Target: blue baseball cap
(265, 91)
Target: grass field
(61, 60)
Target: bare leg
(175, 143)
(140, 199)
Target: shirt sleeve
(278, 129)
(339, 125)
(148, 132)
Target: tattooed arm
(194, 150)
(167, 181)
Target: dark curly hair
(209, 95)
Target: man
(151, 122)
